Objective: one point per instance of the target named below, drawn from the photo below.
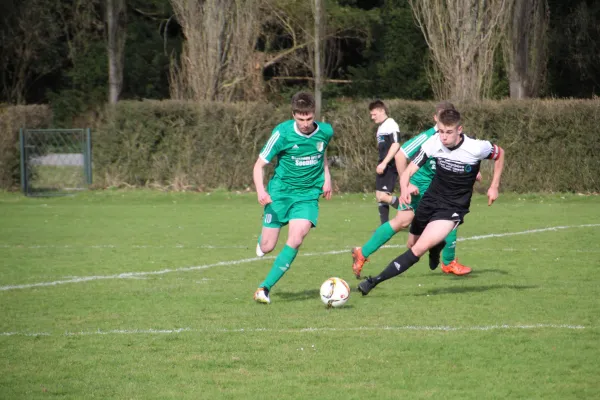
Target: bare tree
(28, 33)
(116, 13)
(295, 22)
(318, 64)
(525, 47)
(221, 60)
(217, 58)
(463, 36)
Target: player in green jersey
(419, 183)
(292, 195)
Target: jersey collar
(303, 134)
(460, 142)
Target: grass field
(148, 295)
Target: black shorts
(431, 210)
(386, 182)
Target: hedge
(12, 118)
(550, 145)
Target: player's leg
(434, 233)
(302, 216)
(450, 264)
(384, 233)
(385, 184)
(381, 236)
(267, 240)
(274, 217)
(383, 206)
(298, 229)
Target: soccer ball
(334, 292)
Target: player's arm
(409, 150)
(401, 162)
(409, 171)
(394, 147)
(269, 150)
(497, 154)
(327, 184)
(258, 176)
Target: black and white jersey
(387, 133)
(455, 168)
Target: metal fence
(55, 161)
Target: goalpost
(55, 161)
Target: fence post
(88, 153)
(23, 155)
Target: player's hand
(478, 178)
(264, 198)
(381, 168)
(492, 195)
(327, 189)
(405, 197)
(412, 189)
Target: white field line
(129, 275)
(303, 330)
(114, 246)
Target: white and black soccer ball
(334, 292)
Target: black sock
(384, 212)
(397, 266)
(395, 202)
(434, 254)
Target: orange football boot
(358, 261)
(456, 268)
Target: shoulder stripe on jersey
(422, 138)
(419, 157)
(270, 145)
(395, 137)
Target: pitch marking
(129, 275)
(303, 330)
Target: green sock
(281, 264)
(449, 252)
(379, 238)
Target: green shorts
(282, 210)
(414, 199)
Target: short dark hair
(443, 105)
(303, 103)
(449, 118)
(377, 104)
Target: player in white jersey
(292, 196)
(447, 200)
(388, 135)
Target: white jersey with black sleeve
(456, 169)
(387, 134)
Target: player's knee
(417, 249)
(294, 242)
(380, 196)
(400, 222)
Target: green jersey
(300, 157)
(422, 178)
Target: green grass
(524, 324)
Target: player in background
(448, 198)
(420, 181)
(388, 134)
(292, 195)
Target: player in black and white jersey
(388, 145)
(447, 200)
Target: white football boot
(262, 296)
